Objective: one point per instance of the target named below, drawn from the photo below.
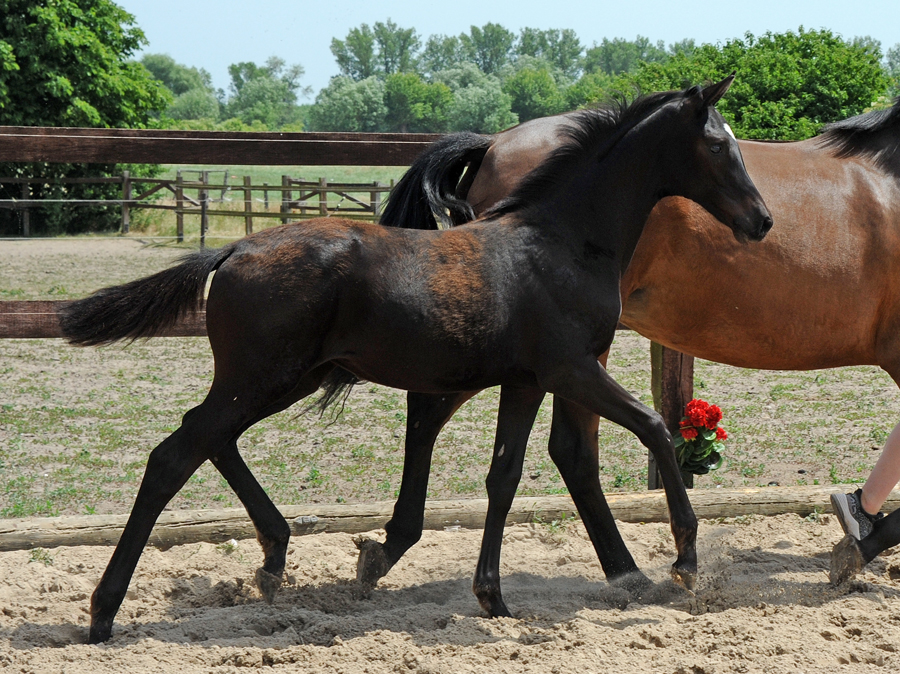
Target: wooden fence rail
(672, 373)
(366, 205)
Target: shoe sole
(844, 516)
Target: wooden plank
(78, 145)
(37, 319)
(216, 526)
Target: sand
(763, 604)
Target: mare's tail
(141, 308)
(427, 189)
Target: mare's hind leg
(574, 450)
(205, 431)
(426, 415)
(590, 385)
(518, 408)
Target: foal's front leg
(589, 385)
(515, 418)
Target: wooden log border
(217, 526)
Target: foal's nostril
(765, 226)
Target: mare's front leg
(574, 450)
(515, 418)
(589, 385)
(425, 417)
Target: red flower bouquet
(698, 444)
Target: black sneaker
(854, 520)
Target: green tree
(382, 49)
(533, 93)
(355, 54)
(177, 78)
(265, 94)
(397, 47)
(788, 84)
(623, 56)
(197, 103)
(348, 105)
(70, 64)
(479, 102)
(490, 46)
(892, 67)
(414, 105)
(442, 52)
(560, 48)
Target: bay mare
(820, 291)
(527, 296)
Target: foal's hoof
(268, 584)
(846, 561)
(100, 631)
(372, 564)
(684, 577)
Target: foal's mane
(859, 137)
(589, 129)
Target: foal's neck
(604, 205)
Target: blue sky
(212, 35)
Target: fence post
(126, 198)
(323, 196)
(672, 383)
(376, 200)
(203, 193)
(26, 214)
(179, 207)
(285, 199)
(248, 206)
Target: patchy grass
(77, 425)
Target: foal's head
(704, 163)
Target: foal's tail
(428, 188)
(141, 308)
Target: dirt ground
(763, 604)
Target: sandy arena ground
(763, 605)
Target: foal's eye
(715, 149)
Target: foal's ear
(711, 94)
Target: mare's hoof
(100, 631)
(635, 583)
(268, 584)
(372, 564)
(684, 577)
(846, 560)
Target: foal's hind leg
(205, 430)
(272, 530)
(518, 408)
(590, 386)
(426, 415)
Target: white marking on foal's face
(729, 131)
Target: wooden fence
(349, 200)
(671, 372)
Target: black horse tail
(428, 188)
(141, 308)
